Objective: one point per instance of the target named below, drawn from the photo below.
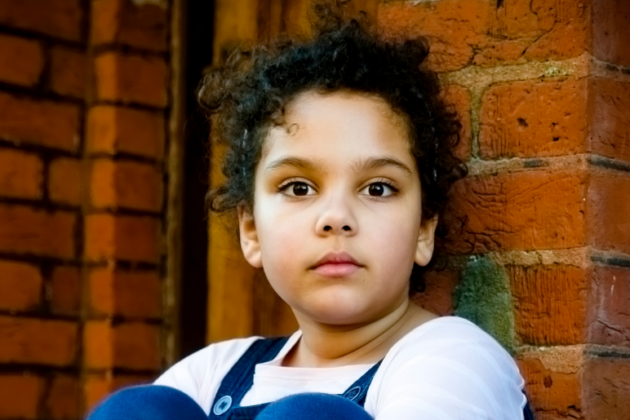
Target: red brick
(58, 18)
(609, 211)
(65, 181)
(553, 382)
(606, 389)
(39, 122)
(68, 74)
(611, 32)
(98, 386)
(66, 290)
(20, 396)
(26, 230)
(550, 303)
(516, 211)
(20, 286)
(569, 34)
(117, 129)
(438, 294)
(122, 237)
(126, 184)
(20, 174)
(512, 124)
(131, 79)
(453, 28)
(125, 293)
(129, 345)
(123, 22)
(21, 60)
(458, 99)
(24, 340)
(608, 321)
(609, 123)
(64, 398)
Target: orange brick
(20, 396)
(131, 79)
(609, 124)
(122, 237)
(21, 60)
(64, 398)
(39, 122)
(126, 184)
(25, 340)
(125, 293)
(123, 22)
(606, 389)
(459, 99)
(68, 74)
(27, 230)
(66, 290)
(611, 21)
(129, 345)
(117, 129)
(20, 174)
(58, 18)
(487, 33)
(98, 386)
(453, 27)
(609, 211)
(438, 294)
(550, 304)
(65, 181)
(553, 381)
(517, 211)
(512, 124)
(20, 286)
(609, 299)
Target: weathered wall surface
(543, 88)
(83, 109)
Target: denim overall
(226, 404)
(240, 378)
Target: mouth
(336, 264)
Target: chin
(338, 310)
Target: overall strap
(241, 377)
(357, 392)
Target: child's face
(338, 180)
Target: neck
(325, 345)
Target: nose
(336, 217)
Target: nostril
(346, 228)
(327, 228)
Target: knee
(148, 402)
(313, 406)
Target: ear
(249, 237)
(426, 241)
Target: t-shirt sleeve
(451, 371)
(200, 374)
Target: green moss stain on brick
(484, 297)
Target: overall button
(222, 405)
(353, 393)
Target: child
(339, 160)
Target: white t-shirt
(447, 368)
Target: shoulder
(453, 363)
(203, 370)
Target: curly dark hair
(250, 92)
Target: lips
(336, 264)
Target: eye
(379, 189)
(297, 189)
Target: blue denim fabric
(313, 406)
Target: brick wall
(543, 90)
(84, 100)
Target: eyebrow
(362, 165)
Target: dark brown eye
(376, 190)
(300, 188)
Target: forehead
(339, 124)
